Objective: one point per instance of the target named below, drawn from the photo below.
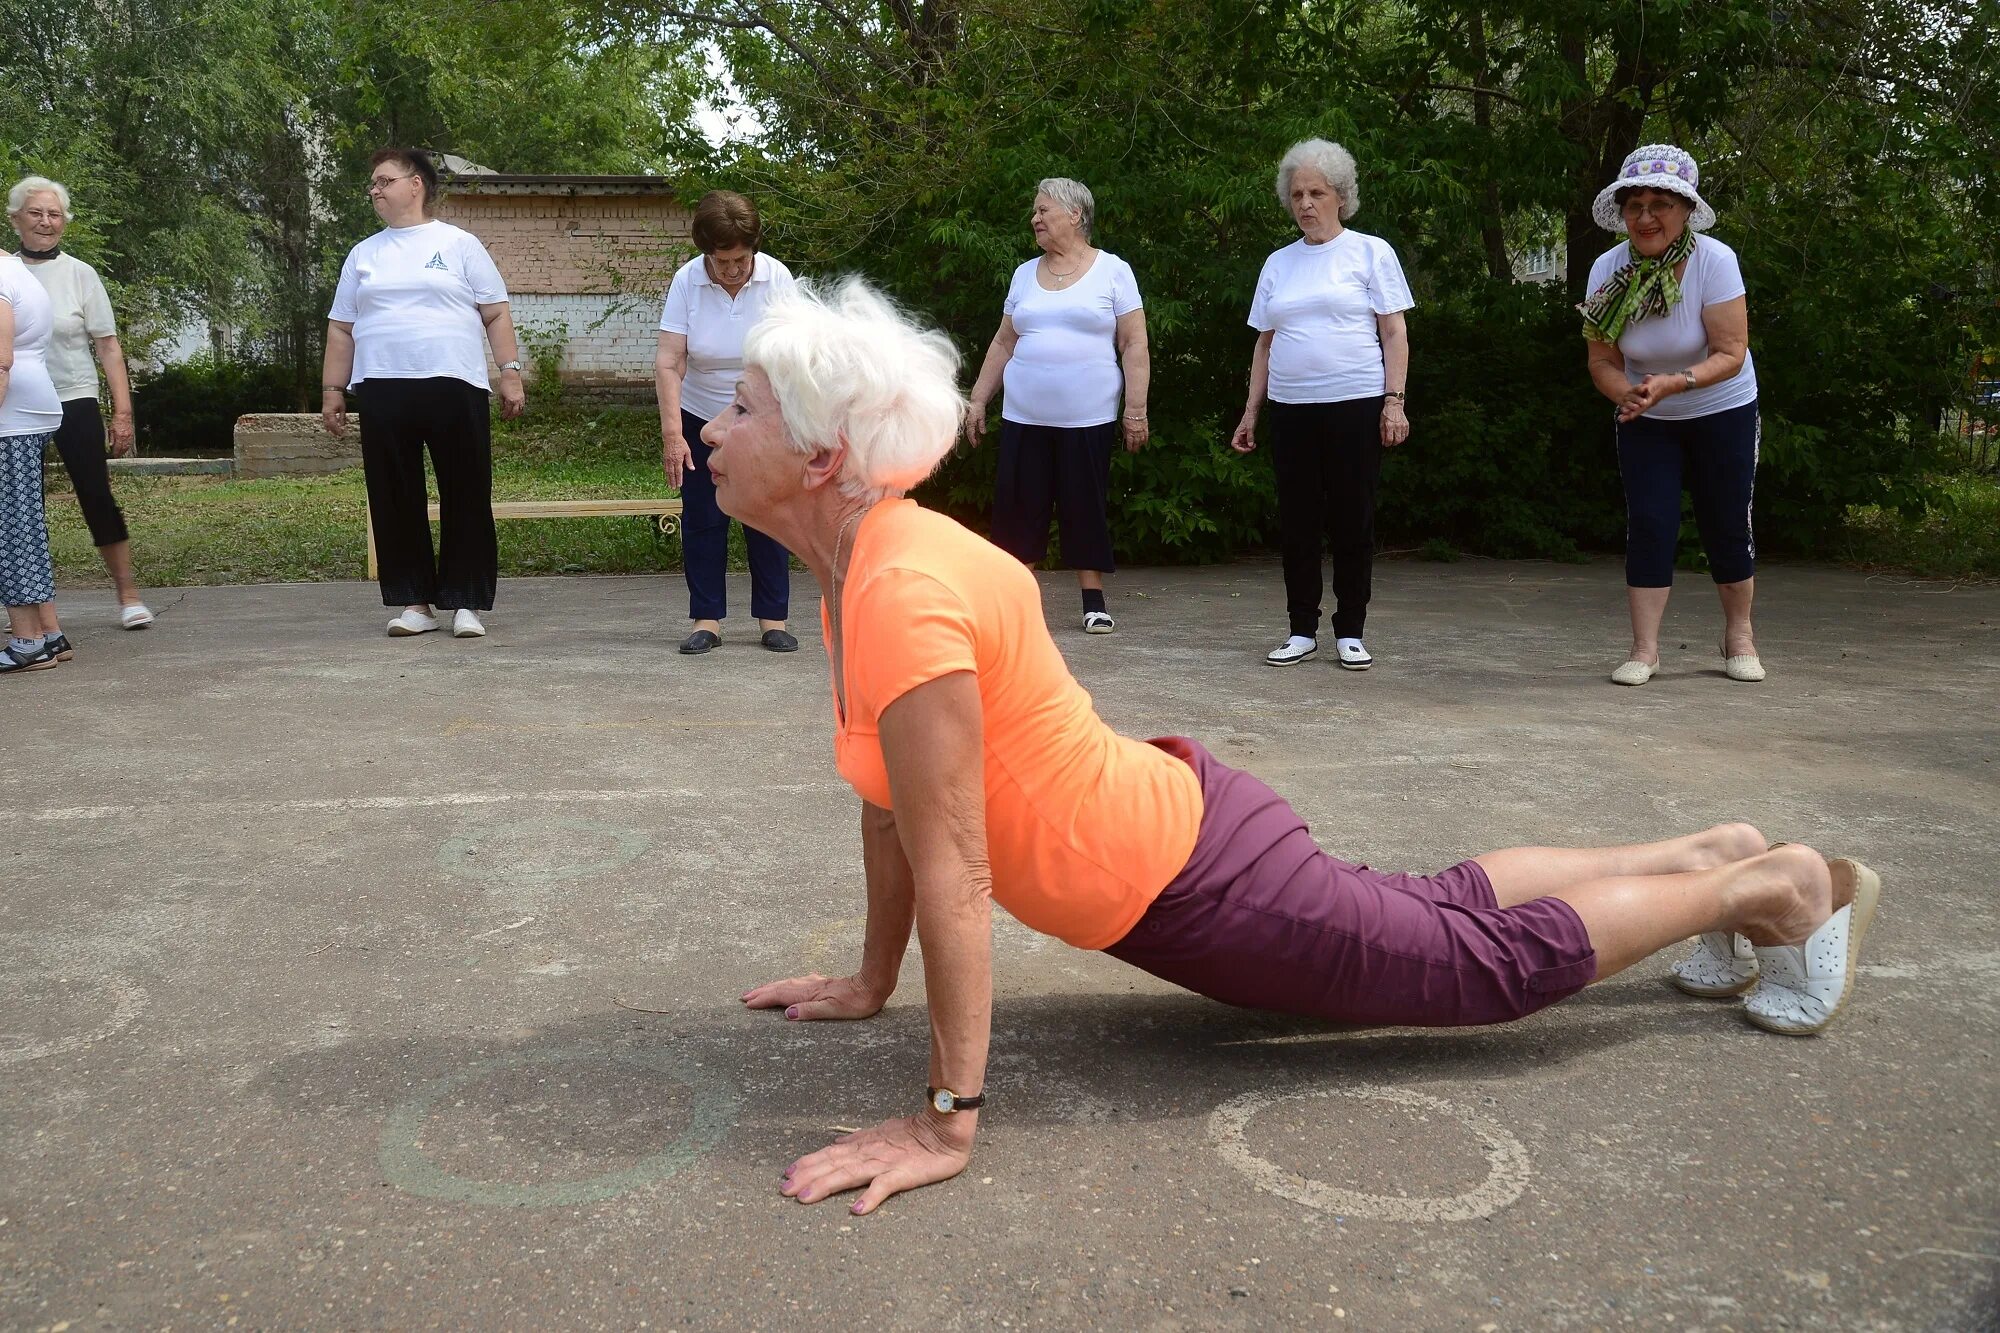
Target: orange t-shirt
(1083, 826)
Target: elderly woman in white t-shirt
(1072, 339)
(1668, 325)
(714, 300)
(417, 304)
(30, 413)
(1332, 355)
(86, 336)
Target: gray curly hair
(1329, 160)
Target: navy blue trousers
(1716, 457)
(705, 546)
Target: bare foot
(1788, 894)
(1739, 643)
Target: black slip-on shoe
(700, 642)
(778, 641)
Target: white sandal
(1801, 988)
(1722, 964)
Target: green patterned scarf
(1644, 288)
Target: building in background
(587, 260)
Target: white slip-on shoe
(1722, 964)
(410, 623)
(1634, 672)
(1802, 987)
(1743, 666)
(135, 616)
(465, 624)
(1293, 650)
(1098, 622)
(1353, 655)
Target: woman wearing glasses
(414, 304)
(1669, 338)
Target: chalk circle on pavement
(128, 1000)
(540, 851)
(1506, 1160)
(411, 1169)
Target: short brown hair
(724, 220)
(420, 165)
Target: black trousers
(1328, 457)
(1067, 468)
(80, 444)
(399, 418)
(1716, 456)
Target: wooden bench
(666, 513)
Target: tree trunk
(1491, 233)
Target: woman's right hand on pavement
(814, 996)
(1245, 439)
(676, 458)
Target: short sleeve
(482, 274)
(1260, 304)
(916, 629)
(1722, 275)
(1388, 289)
(1016, 288)
(783, 283)
(1600, 270)
(1124, 290)
(98, 321)
(677, 311)
(347, 293)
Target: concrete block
(293, 444)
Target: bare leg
(118, 560)
(1736, 600)
(1088, 579)
(770, 624)
(712, 626)
(1649, 608)
(1780, 897)
(1522, 874)
(44, 617)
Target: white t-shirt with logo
(1064, 370)
(83, 314)
(714, 324)
(31, 406)
(1668, 344)
(1320, 302)
(413, 295)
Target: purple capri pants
(1261, 917)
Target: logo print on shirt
(437, 261)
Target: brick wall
(596, 263)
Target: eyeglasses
(381, 183)
(1659, 212)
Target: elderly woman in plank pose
(985, 776)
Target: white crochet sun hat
(1654, 166)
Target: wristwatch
(944, 1101)
(1398, 395)
(510, 365)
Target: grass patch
(1956, 537)
(213, 530)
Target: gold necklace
(1059, 277)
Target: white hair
(848, 367)
(1329, 160)
(1073, 196)
(28, 187)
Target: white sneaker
(411, 622)
(1722, 964)
(1801, 987)
(1352, 655)
(465, 624)
(1295, 649)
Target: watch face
(942, 1100)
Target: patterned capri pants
(27, 577)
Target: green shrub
(191, 408)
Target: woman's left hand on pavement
(894, 1156)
